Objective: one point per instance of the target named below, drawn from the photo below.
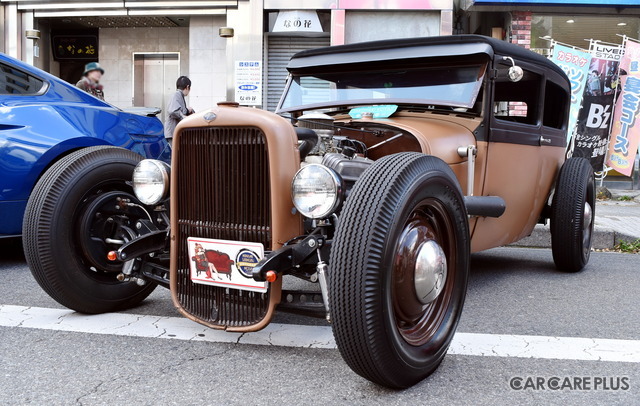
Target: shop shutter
(279, 50)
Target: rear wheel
(572, 215)
(399, 269)
(81, 209)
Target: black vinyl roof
(411, 48)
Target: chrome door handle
(544, 140)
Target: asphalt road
(512, 291)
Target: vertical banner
(626, 134)
(248, 83)
(594, 120)
(575, 63)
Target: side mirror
(515, 72)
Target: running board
(484, 206)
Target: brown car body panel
(523, 175)
(501, 169)
(441, 135)
(284, 161)
(437, 137)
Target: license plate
(225, 263)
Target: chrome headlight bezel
(334, 192)
(158, 175)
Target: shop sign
(248, 83)
(297, 21)
(606, 51)
(575, 63)
(596, 115)
(625, 135)
(75, 47)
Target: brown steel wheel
(399, 269)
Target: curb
(603, 238)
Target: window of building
(14, 81)
(575, 29)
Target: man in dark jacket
(90, 81)
(177, 107)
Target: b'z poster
(626, 131)
(596, 115)
(575, 63)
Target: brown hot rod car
(385, 165)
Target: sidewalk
(616, 220)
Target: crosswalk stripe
(291, 335)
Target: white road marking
(289, 335)
(178, 328)
(568, 348)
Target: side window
(517, 101)
(14, 81)
(555, 106)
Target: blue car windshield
(454, 86)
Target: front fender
(56, 152)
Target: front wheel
(399, 269)
(79, 210)
(572, 215)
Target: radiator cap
(228, 104)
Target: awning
(80, 8)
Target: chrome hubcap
(430, 271)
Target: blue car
(44, 119)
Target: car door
(524, 154)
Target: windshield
(455, 86)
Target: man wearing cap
(90, 81)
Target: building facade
(238, 49)
(222, 45)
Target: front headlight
(151, 181)
(316, 191)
